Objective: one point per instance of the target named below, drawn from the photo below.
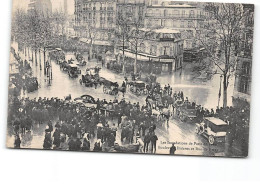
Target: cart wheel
(197, 130)
(211, 140)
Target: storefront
(99, 48)
(148, 63)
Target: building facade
(242, 88)
(133, 10)
(41, 6)
(158, 51)
(186, 18)
(95, 21)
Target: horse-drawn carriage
(82, 63)
(79, 57)
(138, 88)
(64, 66)
(185, 112)
(110, 87)
(73, 71)
(90, 80)
(86, 101)
(31, 84)
(56, 54)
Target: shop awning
(145, 57)
(132, 55)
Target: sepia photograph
(131, 76)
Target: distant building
(242, 88)
(40, 6)
(133, 10)
(160, 51)
(95, 21)
(186, 18)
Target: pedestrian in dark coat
(172, 150)
(111, 140)
(47, 144)
(78, 145)
(57, 139)
(147, 140)
(72, 144)
(154, 139)
(29, 123)
(85, 145)
(50, 126)
(17, 141)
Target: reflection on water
(204, 93)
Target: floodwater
(204, 93)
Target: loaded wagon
(138, 88)
(110, 87)
(73, 71)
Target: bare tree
(137, 36)
(220, 37)
(91, 34)
(122, 34)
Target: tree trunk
(123, 69)
(36, 57)
(40, 60)
(91, 51)
(135, 64)
(225, 82)
(44, 60)
(32, 55)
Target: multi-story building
(133, 10)
(186, 18)
(40, 6)
(242, 88)
(161, 50)
(95, 21)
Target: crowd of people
(73, 126)
(23, 81)
(69, 123)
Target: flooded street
(183, 134)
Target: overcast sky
(56, 5)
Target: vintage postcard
(131, 76)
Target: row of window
(176, 13)
(163, 50)
(169, 23)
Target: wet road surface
(188, 142)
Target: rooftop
(216, 121)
